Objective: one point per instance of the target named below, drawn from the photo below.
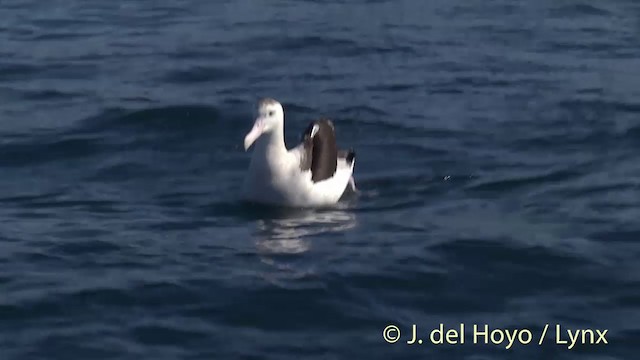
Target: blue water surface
(497, 159)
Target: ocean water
(497, 161)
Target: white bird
(314, 173)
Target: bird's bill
(254, 134)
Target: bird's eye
(270, 113)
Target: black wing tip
(351, 156)
(348, 155)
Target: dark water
(497, 148)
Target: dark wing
(320, 152)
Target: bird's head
(270, 117)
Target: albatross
(313, 173)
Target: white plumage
(278, 176)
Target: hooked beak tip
(253, 135)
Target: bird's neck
(271, 144)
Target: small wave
(80, 247)
(599, 105)
(398, 191)
(617, 236)
(486, 184)
(363, 110)
(580, 9)
(198, 74)
(96, 206)
(48, 94)
(40, 150)
(317, 43)
(174, 118)
(166, 332)
(385, 88)
(30, 198)
(162, 128)
(123, 171)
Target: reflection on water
(291, 233)
(280, 239)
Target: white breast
(281, 182)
